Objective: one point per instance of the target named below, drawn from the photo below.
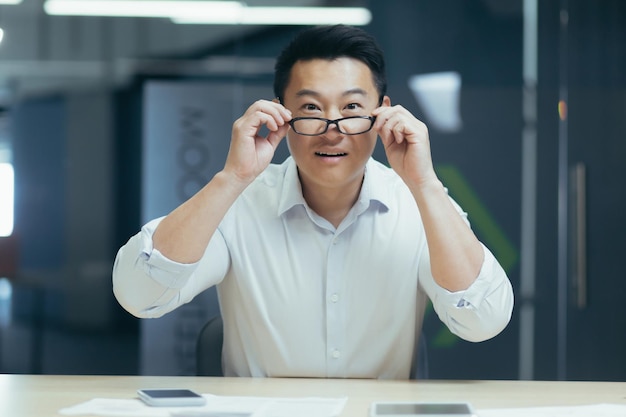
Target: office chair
(209, 351)
(209, 348)
(422, 360)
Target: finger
(275, 137)
(384, 134)
(398, 129)
(382, 116)
(284, 112)
(390, 128)
(390, 122)
(271, 120)
(404, 126)
(280, 114)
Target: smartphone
(421, 409)
(177, 397)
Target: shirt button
(336, 354)
(334, 298)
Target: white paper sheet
(216, 406)
(592, 410)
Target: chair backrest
(211, 338)
(422, 360)
(209, 348)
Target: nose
(332, 133)
(333, 126)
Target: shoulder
(384, 183)
(381, 171)
(269, 182)
(262, 197)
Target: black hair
(331, 42)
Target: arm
(469, 289)
(456, 255)
(184, 234)
(478, 313)
(154, 271)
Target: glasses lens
(309, 126)
(349, 126)
(355, 125)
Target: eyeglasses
(313, 126)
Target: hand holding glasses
(313, 126)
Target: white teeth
(330, 154)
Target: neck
(332, 203)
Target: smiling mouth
(331, 155)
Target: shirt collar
(291, 195)
(375, 187)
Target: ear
(276, 100)
(386, 102)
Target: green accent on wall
(444, 338)
(480, 218)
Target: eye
(354, 106)
(310, 107)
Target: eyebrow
(307, 92)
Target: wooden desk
(44, 395)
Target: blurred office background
(107, 122)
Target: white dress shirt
(301, 298)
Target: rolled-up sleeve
(481, 311)
(148, 284)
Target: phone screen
(170, 393)
(176, 397)
(426, 409)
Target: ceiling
(41, 53)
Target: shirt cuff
(480, 289)
(163, 270)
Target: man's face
(332, 90)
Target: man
(323, 263)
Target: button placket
(334, 309)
